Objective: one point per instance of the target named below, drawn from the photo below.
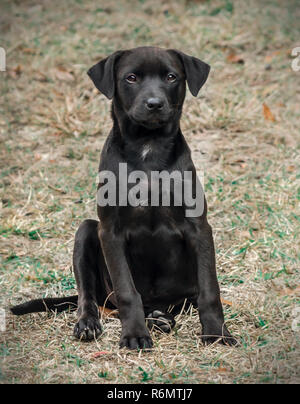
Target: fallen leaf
(239, 162)
(105, 312)
(221, 369)
(291, 169)
(29, 51)
(39, 76)
(15, 71)
(268, 115)
(223, 301)
(234, 58)
(100, 353)
(63, 74)
(58, 93)
(18, 70)
(32, 278)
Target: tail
(38, 305)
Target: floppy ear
(196, 71)
(102, 74)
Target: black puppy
(144, 258)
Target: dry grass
(52, 127)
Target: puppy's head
(149, 83)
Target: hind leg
(160, 320)
(164, 321)
(88, 263)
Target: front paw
(223, 337)
(88, 328)
(136, 340)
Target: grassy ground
(244, 132)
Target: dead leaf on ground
(32, 278)
(62, 74)
(41, 77)
(223, 301)
(100, 353)
(220, 369)
(58, 94)
(291, 169)
(105, 312)
(15, 72)
(239, 162)
(268, 115)
(235, 58)
(29, 51)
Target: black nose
(155, 103)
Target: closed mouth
(153, 123)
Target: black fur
(143, 259)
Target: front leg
(134, 331)
(209, 302)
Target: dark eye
(131, 78)
(171, 77)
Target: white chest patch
(146, 150)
